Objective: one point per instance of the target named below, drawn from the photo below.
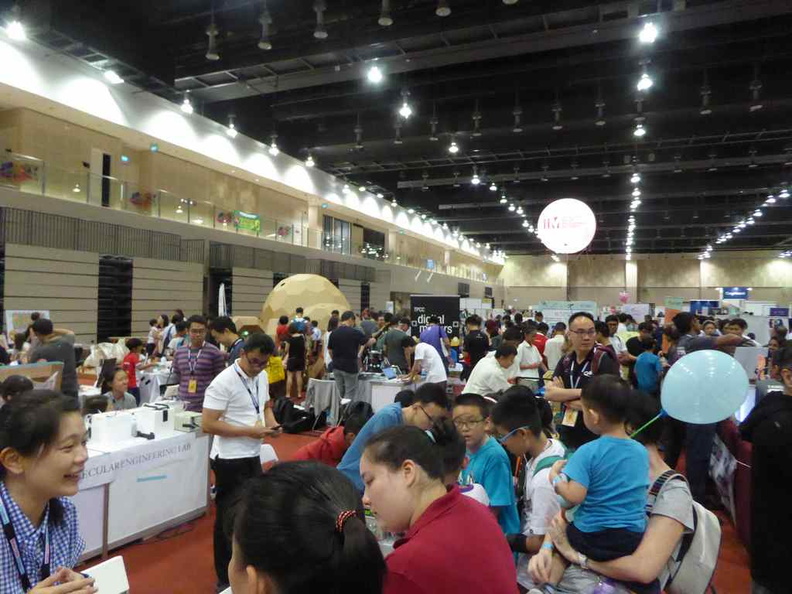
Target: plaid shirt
(65, 542)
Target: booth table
(150, 381)
(137, 488)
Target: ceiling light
(411, 211)
(394, 204)
(443, 9)
(636, 178)
(186, 105)
(784, 194)
(319, 7)
(112, 77)
(512, 208)
(757, 213)
(374, 75)
(385, 19)
(405, 110)
(493, 187)
(557, 109)
(423, 216)
(453, 148)
(273, 149)
(751, 222)
(645, 82)
(770, 200)
(380, 195)
(475, 180)
(16, 30)
(266, 20)
(231, 131)
(736, 230)
(309, 162)
(211, 52)
(520, 210)
(503, 199)
(76, 188)
(362, 188)
(525, 223)
(636, 192)
(639, 131)
(648, 34)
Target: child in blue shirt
(607, 479)
(487, 461)
(648, 368)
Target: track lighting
(443, 9)
(385, 19)
(648, 34)
(374, 75)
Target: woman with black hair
(42, 455)
(13, 386)
(300, 529)
(452, 543)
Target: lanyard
(254, 399)
(572, 373)
(13, 543)
(193, 364)
(233, 346)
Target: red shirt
(281, 333)
(130, 366)
(455, 546)
(539, 342)
(328, 449)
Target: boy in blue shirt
(607, 479)
(487, 461)
(430, 404)
(648, 368)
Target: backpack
(293, 419)
(599, 353)
(698, 552)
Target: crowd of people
(552, 471)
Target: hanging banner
(247, 221)
(445, 307)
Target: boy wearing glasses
(429, 405)
(573, 373)
(487, 461)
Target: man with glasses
(196, 365)
(429, 405)
(237, 411)
(572, 374)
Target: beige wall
(161, 286)
(63, 282)
(249, 290)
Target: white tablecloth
(150, 381)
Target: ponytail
(302, 524)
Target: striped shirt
(65, 542)
(201, 365)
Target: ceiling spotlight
(443, 9)
(756, 89)
(231, 131)
(525, 223)
(362, 188)
(212, 32)
(374, 75)
(770, 200)
(16, 30)
(503, 199)
(319, 7)
(475, 180)
(76, 188)
(385, 19)
(557, 109)
(784, 194)
(520, 210)
(405, 110)
(645, 82)
(453, 148)
(751, 222)
(512, 208)
(309, 162)
(636, 178)
(186, 105)
(410, 211)
(639, 131)
(636, 192)
(600, 105)
(394, 204)
(493, 187)
(648, 34)
(423, 216)
(112, 77)
(266, 20)
(273, 149)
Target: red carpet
(180, 561)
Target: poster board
(559, 311)
(19, 319)
(38, 373)
(445, 307)
(637, 310)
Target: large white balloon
(566, 226)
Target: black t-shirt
(345, 343)
(577, 375)
(296, 347)
(476, 345)
(635, 348)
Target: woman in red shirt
(281, 331)
(452, 543)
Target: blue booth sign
(735, 292)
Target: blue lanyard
(13, 543)
(255, 400)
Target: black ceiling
(701, 174)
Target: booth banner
(735, 292)
(445, 307)
(559, 311)
(637, 310)
(102, 469)
(247, 221)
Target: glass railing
(34, 176)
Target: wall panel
(251, 288)
(161, 286)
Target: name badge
(570, 417)
(192, 387)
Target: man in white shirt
(511, 336)
(237, 411)
(554, 348)
(426, 359)
(488, 375)
(529, 360)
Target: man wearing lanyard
(572, 374)
(196, 365)
(237, 411)
(224, 331)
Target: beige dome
(315, 294)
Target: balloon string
(637, 431)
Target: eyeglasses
(257, 362)
(582, 333)
(466, 424)
(431, 418)
(506, 437)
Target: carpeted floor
(180, 561)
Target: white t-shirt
(325, 342)
(541, 503)
(487, 377)
(511, 372)
(554, 351)
(233, 392)
(476, 492)
(175, 343)
(618, 344)
(431, 363)
(528, 354)
(153, 335)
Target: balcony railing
(34, 176)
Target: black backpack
(295, 420)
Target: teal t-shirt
(616, 473)
(490, 468)
(388, 416)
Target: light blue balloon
(704, 387)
